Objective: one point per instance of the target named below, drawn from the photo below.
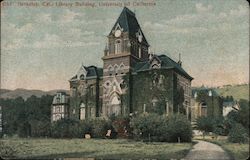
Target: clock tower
(126, 46)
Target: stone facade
(205, 102)
(113, 89)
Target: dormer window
(139, 36)
(82, 77)
(58, 99)
(118, 46)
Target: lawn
(236, 150)
(94, 148)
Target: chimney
(179, 62)
(106, 50)
(150, 53)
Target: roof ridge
(129, 11)
(126, 17)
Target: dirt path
(205, 150)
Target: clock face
(118, 33)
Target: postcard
(124, 79)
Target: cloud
(201, 22)
(240, 11)
(200, 8)
(43, 18)
(69, 16)
(54, 41)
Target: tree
(204, 124)
(243, 113)
(241, 116)
(237, 134)
(66, 128)
(152, 127)
(27, 118)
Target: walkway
(205, 150)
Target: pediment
(82, 72)
(155, 62)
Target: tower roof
(128, 22)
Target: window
(82, 76)
(57, 99)
(110, 70)
(139, 52)
(116, 69)
(82, 115)
(117, 46)
(91, 90)
(57, 109)
(144, 108)
(122, 68)
(203, 109)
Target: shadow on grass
(91, 156)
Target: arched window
(118, 45)
(82, 76)
(116, 68)
(139, 52)
(110, 70)
(115, 105)
(203, 109)
(82, 111)
(122, 68)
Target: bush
(152, 127)
(237, 134)
(121, 126)
(144, 126)
(220, 126)
(66, 128)
(204, 124)
(100, 128)
(85, 127)
(179, 127)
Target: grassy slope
(235, 150)
(238, 151)
(237, 91)
(96, 148)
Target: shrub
(85, 127)
(121, 126)
(144, 126)
(65, 128)
(204, 124)
(100, 128)
(179, 127)
(220, 126)
(237, 134)
(152, 127)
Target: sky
(43, 46)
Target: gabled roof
(166, 63)
(92, 72)
(60, 98)
(128, 22)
